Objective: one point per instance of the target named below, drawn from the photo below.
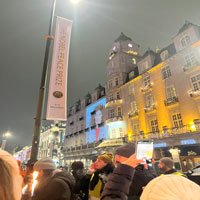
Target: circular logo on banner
(57, 94)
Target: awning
(111, 143)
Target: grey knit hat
(126, 150)
(44, 163)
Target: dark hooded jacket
(58, 187)
(118, 183)
(141, 178)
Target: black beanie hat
(126, 150)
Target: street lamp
(36, 134)
(4, 138)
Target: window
(177, 120)
(134, 61)
(110, 84)
(111, 97)
(147, 81)
(154, 126)
(145, 65)
(121, 132)
(164, 55)
(166, 72)
(136, 129)
(131, 89)
(118, 95)
(185, 41)
(113, 133)
(116, 82)
(170, 92)
(190, 59)
(149, 100)
(119, 112)
(111, 113)
(196, 82)
(133, 106)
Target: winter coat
(58, 187)
(98, 180)
(118, 183)
(141, 178)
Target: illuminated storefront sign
(190, 141)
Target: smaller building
(51, 142)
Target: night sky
(96, 24)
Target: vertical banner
(57, 97)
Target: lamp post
(36, 134)
(4, 138)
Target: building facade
(152, 96)
(52, 139)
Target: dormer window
(185, 41)
(164, 55)
(145, 65)
(134, 61)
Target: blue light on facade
(159, 145)
(190, 141)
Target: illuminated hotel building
(154, 96)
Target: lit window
(119, 111)
(166, 72)
(131, 89)
(111, 113)
(121, 132)
(114, 48)
(154, 126)
(177, 120)
(130, 45)
(149, 100)
(164, 55)
(133, 106)
(136, 128)
(134, 61)
(147, 81)
(196, 82)
(170, 92)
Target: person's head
(166, 164)
(103, 160)
(45, 167)
(171, 187)
(10, 178)
(124, 152)
(77, 165)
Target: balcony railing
(133, 114)
(150, 108)
(82, 147)
(190, 66)
(114, 101)
(146, 87)
(171, 101)
(166, 132)
(114, 118)
(195, 93)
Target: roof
(149, 51)
(185, 26)
(123, 37)
(99, 87)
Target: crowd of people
(118, 177)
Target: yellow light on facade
(192, 127)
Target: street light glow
(7, 134)
(75, 1)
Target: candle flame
(35, 175)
